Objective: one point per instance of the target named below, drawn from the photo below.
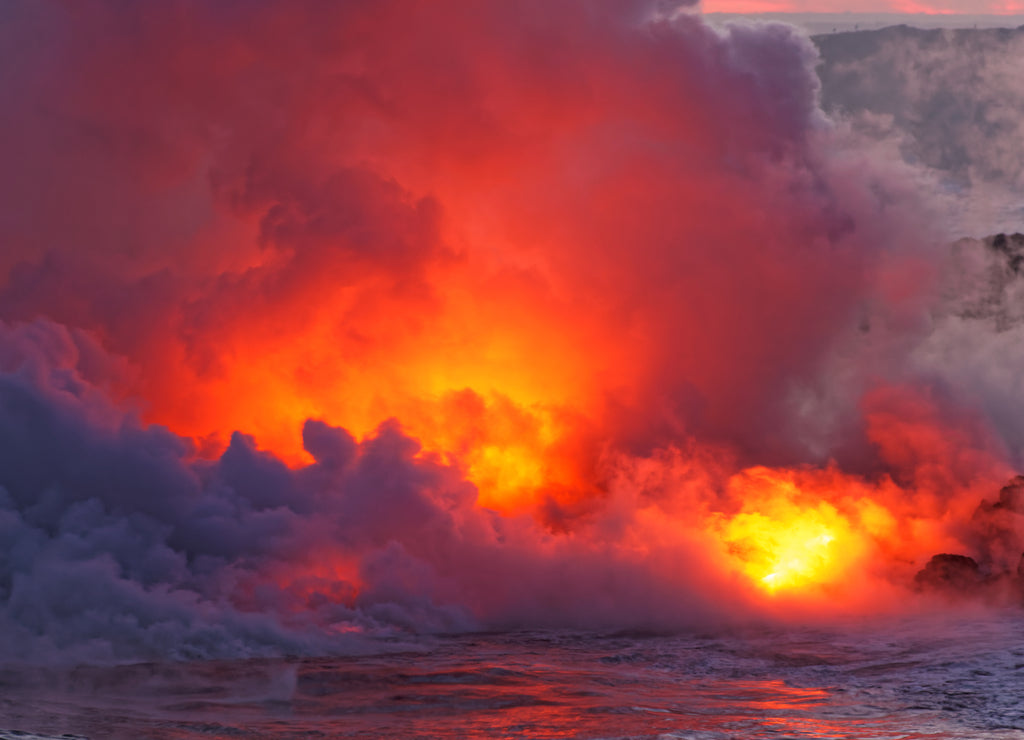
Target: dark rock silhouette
(996, 570)
(950, 572)
(1012, 246)
(996, 528)
(1011, 496)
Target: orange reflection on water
(540, 685)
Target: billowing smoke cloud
(977, 330)
(118, 544)
(949, 102)
(463, 195)
(332, 320)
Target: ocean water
(919, 678)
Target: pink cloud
(974, 7)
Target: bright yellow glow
(505, 472)
(785, 538)
(785, 549)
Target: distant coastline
(821, 23)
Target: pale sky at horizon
(973, 7)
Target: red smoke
(596, 260)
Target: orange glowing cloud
(540, 311)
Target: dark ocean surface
(932, 678)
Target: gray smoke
(951, 102)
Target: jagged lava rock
(950, 572)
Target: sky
(973, 7)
